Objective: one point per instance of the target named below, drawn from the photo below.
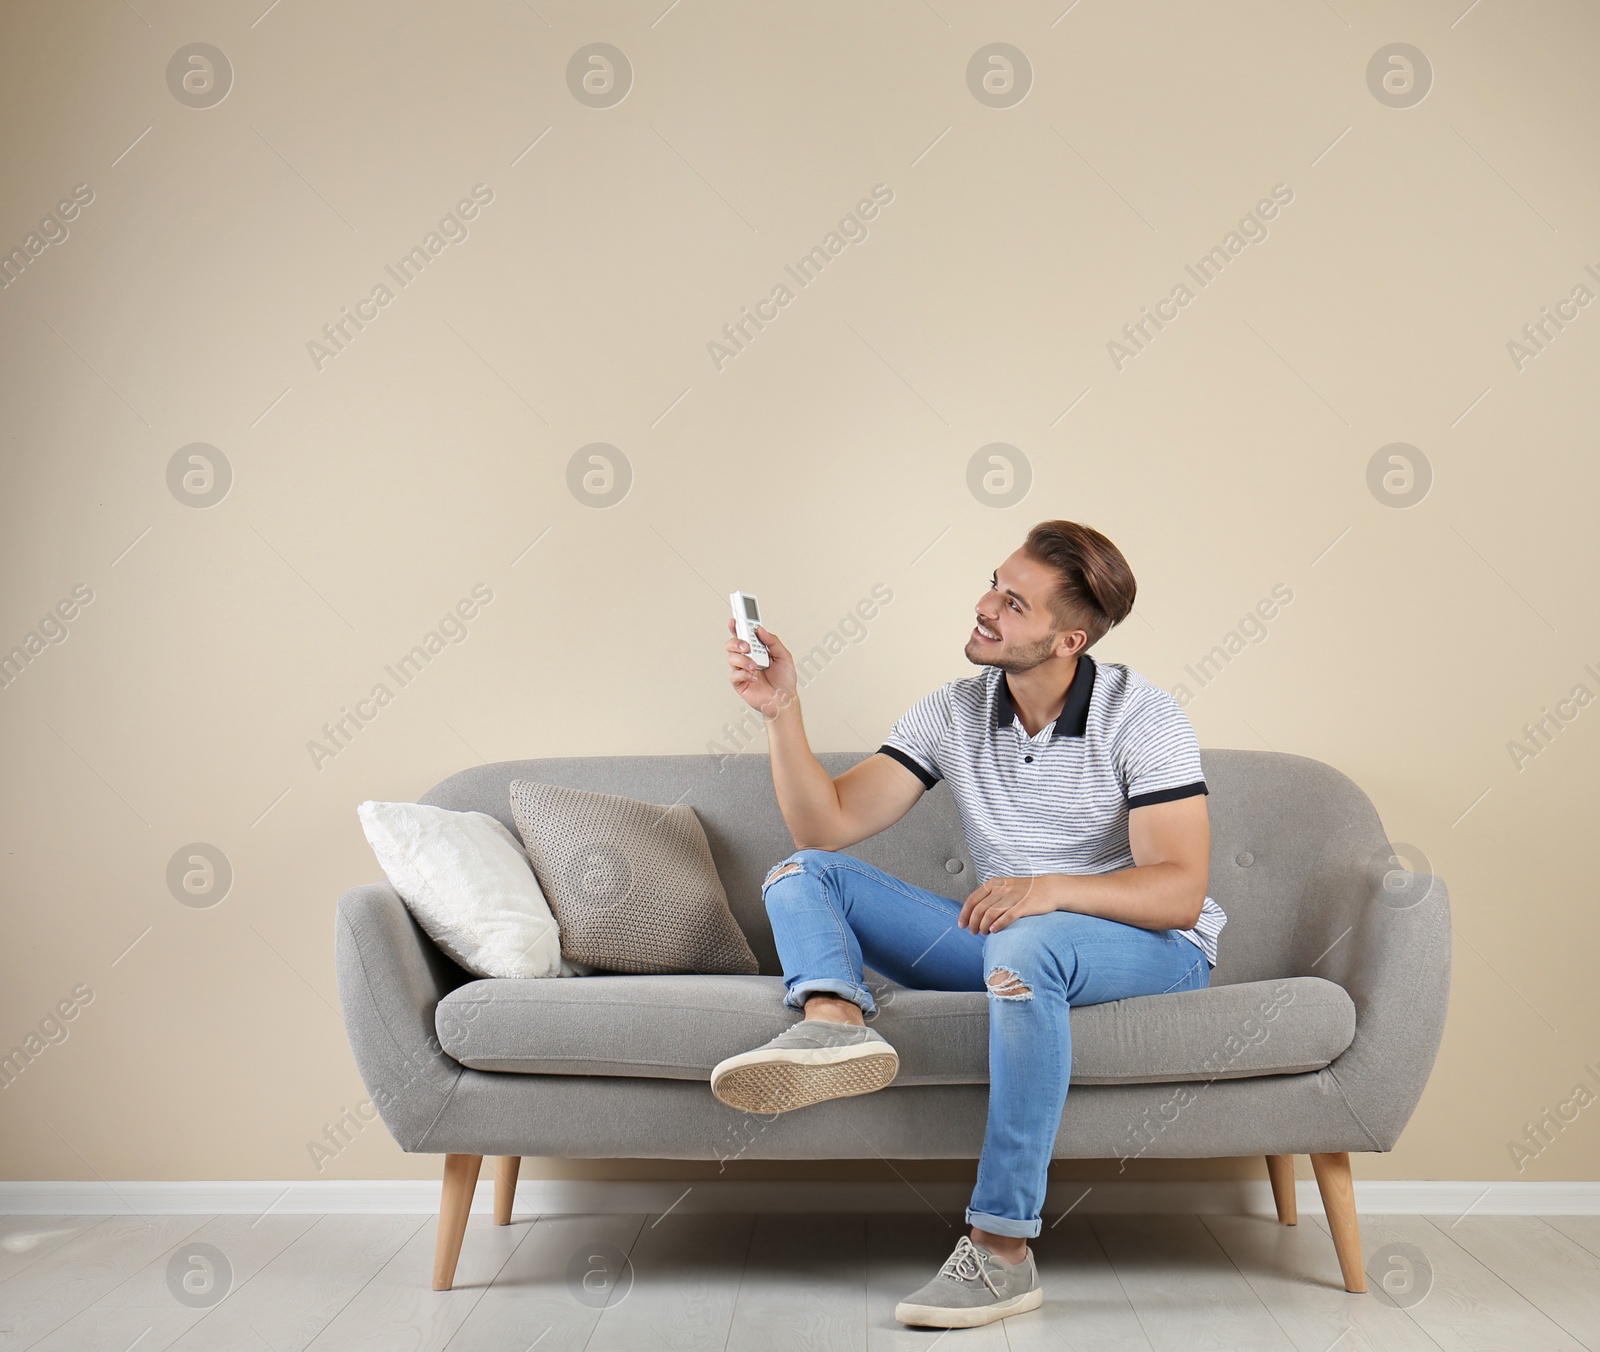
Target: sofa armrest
(1391, 951)
(391, 978)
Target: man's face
(1019, 625)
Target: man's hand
(1001, 900)
(770, 689)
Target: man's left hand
(1000, 901)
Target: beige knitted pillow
(632, 884)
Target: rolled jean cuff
(845, 990)
(1004, 1225)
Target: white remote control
(746, 616)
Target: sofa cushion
(466, 879)
(679, 1027)
(632, 884)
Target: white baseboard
(582, 1197)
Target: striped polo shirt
(1057, 802)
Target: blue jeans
(832, 913)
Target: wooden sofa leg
(460, 1182)
(505, 1186)
(1280, 1169)
(1339, 1202)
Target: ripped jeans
(832, 913)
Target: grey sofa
(1316, 1035)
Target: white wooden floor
(811, 1283)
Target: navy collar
(1074, 715)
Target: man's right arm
(821, 813)
(832, 814)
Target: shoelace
(966, 1263)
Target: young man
(1082, 801)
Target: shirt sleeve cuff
(1167, 795)
(928, 778)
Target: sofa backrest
(1287, 834)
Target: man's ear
(1067, 638)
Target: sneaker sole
(948, 1317)
(754, 1082)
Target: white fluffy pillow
(468, 882)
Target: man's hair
(1096, 587)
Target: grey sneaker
(812, 1060)
(973, 1287)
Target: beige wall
(429, 458)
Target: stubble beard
(1009, 658)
